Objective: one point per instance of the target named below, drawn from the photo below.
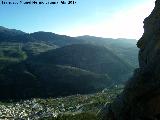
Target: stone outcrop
(141, 97)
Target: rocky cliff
(141, 97)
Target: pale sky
(125, 23)
(102, 18)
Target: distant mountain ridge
(124, 48)
(121, 47)
(10, 31)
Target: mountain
(109, 41)
(28, 79)
(12, 35)
(140, 99)
(93, 58)
(81, 68)
(59, 40)
(124, 48)
(44, 64)
(10, 32)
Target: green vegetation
(35, 48)
(12, 52)
(81, 116)
(16, 52)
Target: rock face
(141, 97)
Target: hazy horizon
(70, 36)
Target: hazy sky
(104, 18)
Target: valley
(44, 75)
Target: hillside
(9, 32)
(15, 52)
(93, 58)
(124, 48)
(27, 80)
(59, 40)
(64, 71)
